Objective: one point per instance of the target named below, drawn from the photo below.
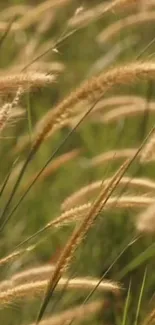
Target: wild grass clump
(77, 188)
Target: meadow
(77, 176)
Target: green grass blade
(126, 307)
(6, 32)
(29, 117)
(138, 261)
(140, 298)
(3, 218)
(7, 178)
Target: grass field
(77, 176)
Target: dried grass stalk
(33, 274)
(146, 219)
(37, 11)
(110, 103)
(13, 11)
(115, 28)
(80, 232)
(6, 110)
(96, 86)
(148, 152)
(145, 5)
(15, 255)
(127, 111)
(35, 289)
(58, 117)
(78, 313)
(78, 213)
(110, 155)
(149, 319)
(27, 276)
(95, 115)
(33, 15)
(55, 165)
(87, 192)
(85, 17)
(40, 66)
(9, 83)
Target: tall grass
(77, 188)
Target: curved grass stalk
(36, 288)
(79, 313)
(79, 234)
(77, 213)
(126, 111)
(115, 28)
(98, 85)
(87, 192)
(110, 155)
